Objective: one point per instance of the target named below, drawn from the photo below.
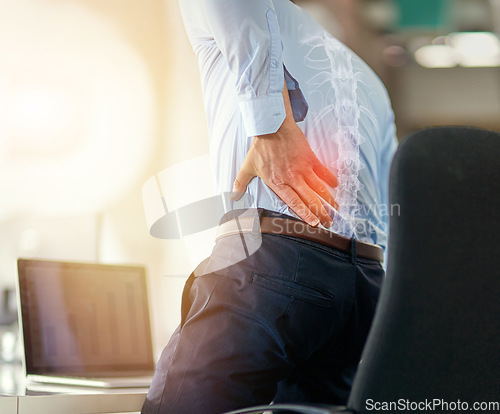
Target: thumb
(245, 175)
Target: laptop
(85, 324)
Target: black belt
(296, 228)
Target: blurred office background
(97, 96)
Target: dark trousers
(286, 324)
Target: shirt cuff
(263, 115)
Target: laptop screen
(84, 318)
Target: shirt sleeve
(248, 36)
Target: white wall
(456, 96)
(132, 106)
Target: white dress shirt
(245, 48)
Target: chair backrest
(436, 333)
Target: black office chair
(435, 338)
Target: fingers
(245, 175)
(325, 174)
(312, 201)
(290, 197)
(304, 202)
(300, 180)
(320, 188)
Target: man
(293, 106)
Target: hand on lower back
(285, 162)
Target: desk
(73, 403)
(66, 400)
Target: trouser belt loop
(353, 251)
(256, 225)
